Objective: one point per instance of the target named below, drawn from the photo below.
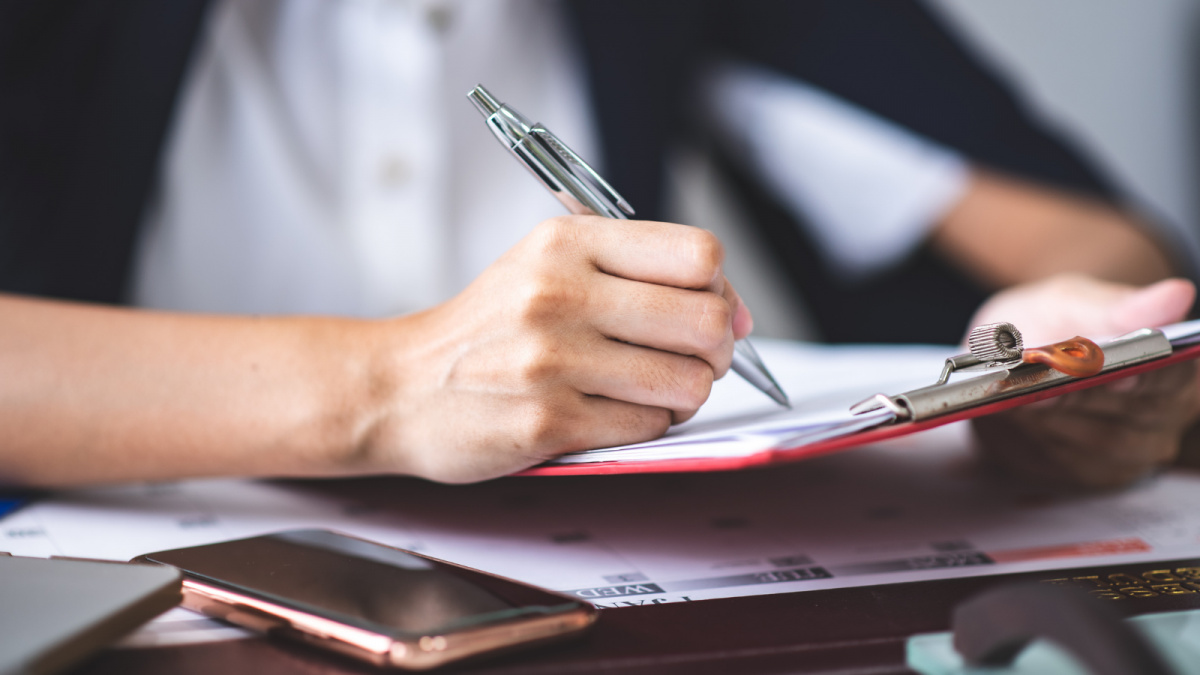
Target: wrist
(317, 399)
(365, 405)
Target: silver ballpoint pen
(584, 192)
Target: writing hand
(590, 332)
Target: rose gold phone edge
(429, 651)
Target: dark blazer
(88, 89)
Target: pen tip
(775, 391)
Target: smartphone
(372, 602)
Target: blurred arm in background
(1005, 231)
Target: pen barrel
(554, 165)
(554, 172)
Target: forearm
(93, 394)
(1004, 232)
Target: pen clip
(576, 164)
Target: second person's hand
(1110, 435)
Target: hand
(1106, 436)
(589, 333)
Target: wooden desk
(852, 631)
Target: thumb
(1165, 302)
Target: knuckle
(544, 429)
(683, 383)
(655, 422)
(556, 426)
(644, 424)
(637, 423)
(545, 299)
(556, 235)
(537, 364)
(707, 254)
(713, 323)
(694, 384)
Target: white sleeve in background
(869, 190)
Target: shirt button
(440, 18)
(394, 172)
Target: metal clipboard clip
(1011, 370)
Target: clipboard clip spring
(992, 345)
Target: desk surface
(851, 630)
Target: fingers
(1143, 400)
(1058, 456)
(1159, 304)
(646, 377)
(597, 422)
(691, 323)
(1101, 437)
(1074, 449)
(661, 315)
(658, 253)
(660, 285)
(1067, 305)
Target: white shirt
(324, 159)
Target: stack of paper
(823, 382)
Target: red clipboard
(770, 456)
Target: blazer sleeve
(87, 90)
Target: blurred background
(1121, 77)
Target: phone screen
(361, 583)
